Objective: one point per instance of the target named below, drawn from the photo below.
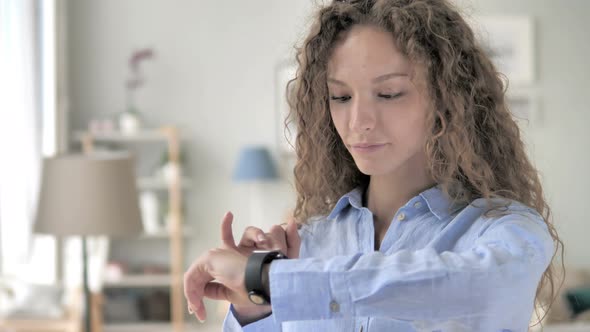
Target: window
(27, 132)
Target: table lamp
(88, 195)
(254, 166)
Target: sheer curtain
(27, 131)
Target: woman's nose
(362, 116)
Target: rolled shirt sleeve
(501, 270)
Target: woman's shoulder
(502, 222)
(499, 213)
(498, 207)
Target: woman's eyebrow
(377, 79)
(388, 76)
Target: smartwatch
(253, 278)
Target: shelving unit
(140, 280)
(154, 183)
(174, 232)
(164, 233)
(144, 327)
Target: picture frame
(524, 107)
(509, 41)
(284, 72)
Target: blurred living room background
(194, 91)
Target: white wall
(213, 76)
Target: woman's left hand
(224, 265)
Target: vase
(129, 123)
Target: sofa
(562, 317)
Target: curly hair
(474, 147)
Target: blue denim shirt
(440, 267)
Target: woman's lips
(367, 148)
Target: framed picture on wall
(525, 109)
(508, 40)
(285, 71)
(524, 106)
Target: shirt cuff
(231, 324)
(297, 295)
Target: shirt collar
(438, 203)
(353, 198)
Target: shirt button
(401, 216)
(334, 306)
(417, 205)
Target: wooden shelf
(158, 183)
(164, 233)
(161, 327)
(139, 326)
(147, 135)
(140, 280)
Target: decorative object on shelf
(166, 214)
(155, 269)
(149, 212)
(155, 306)
(130, 120)
(168, 169)
(285, 71)
(88, 195)
(122, 306)
(101, 125)
(254, 166)
(508, 40)
(115, 270)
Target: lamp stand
(85, 283)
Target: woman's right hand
(286, 239)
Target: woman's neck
(387, 193)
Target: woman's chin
(372, 169)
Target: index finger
(227, 236)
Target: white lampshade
(88, 195)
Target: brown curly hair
(474, 148)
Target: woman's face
(377, 108)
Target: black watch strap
(253, 277)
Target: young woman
(417, 207)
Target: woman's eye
(342, 99)
(390, 96)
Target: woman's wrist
(265, 278)
(251, 313)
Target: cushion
(578, 299)
(22, 300)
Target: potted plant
(130, 119)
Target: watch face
(256, 298)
